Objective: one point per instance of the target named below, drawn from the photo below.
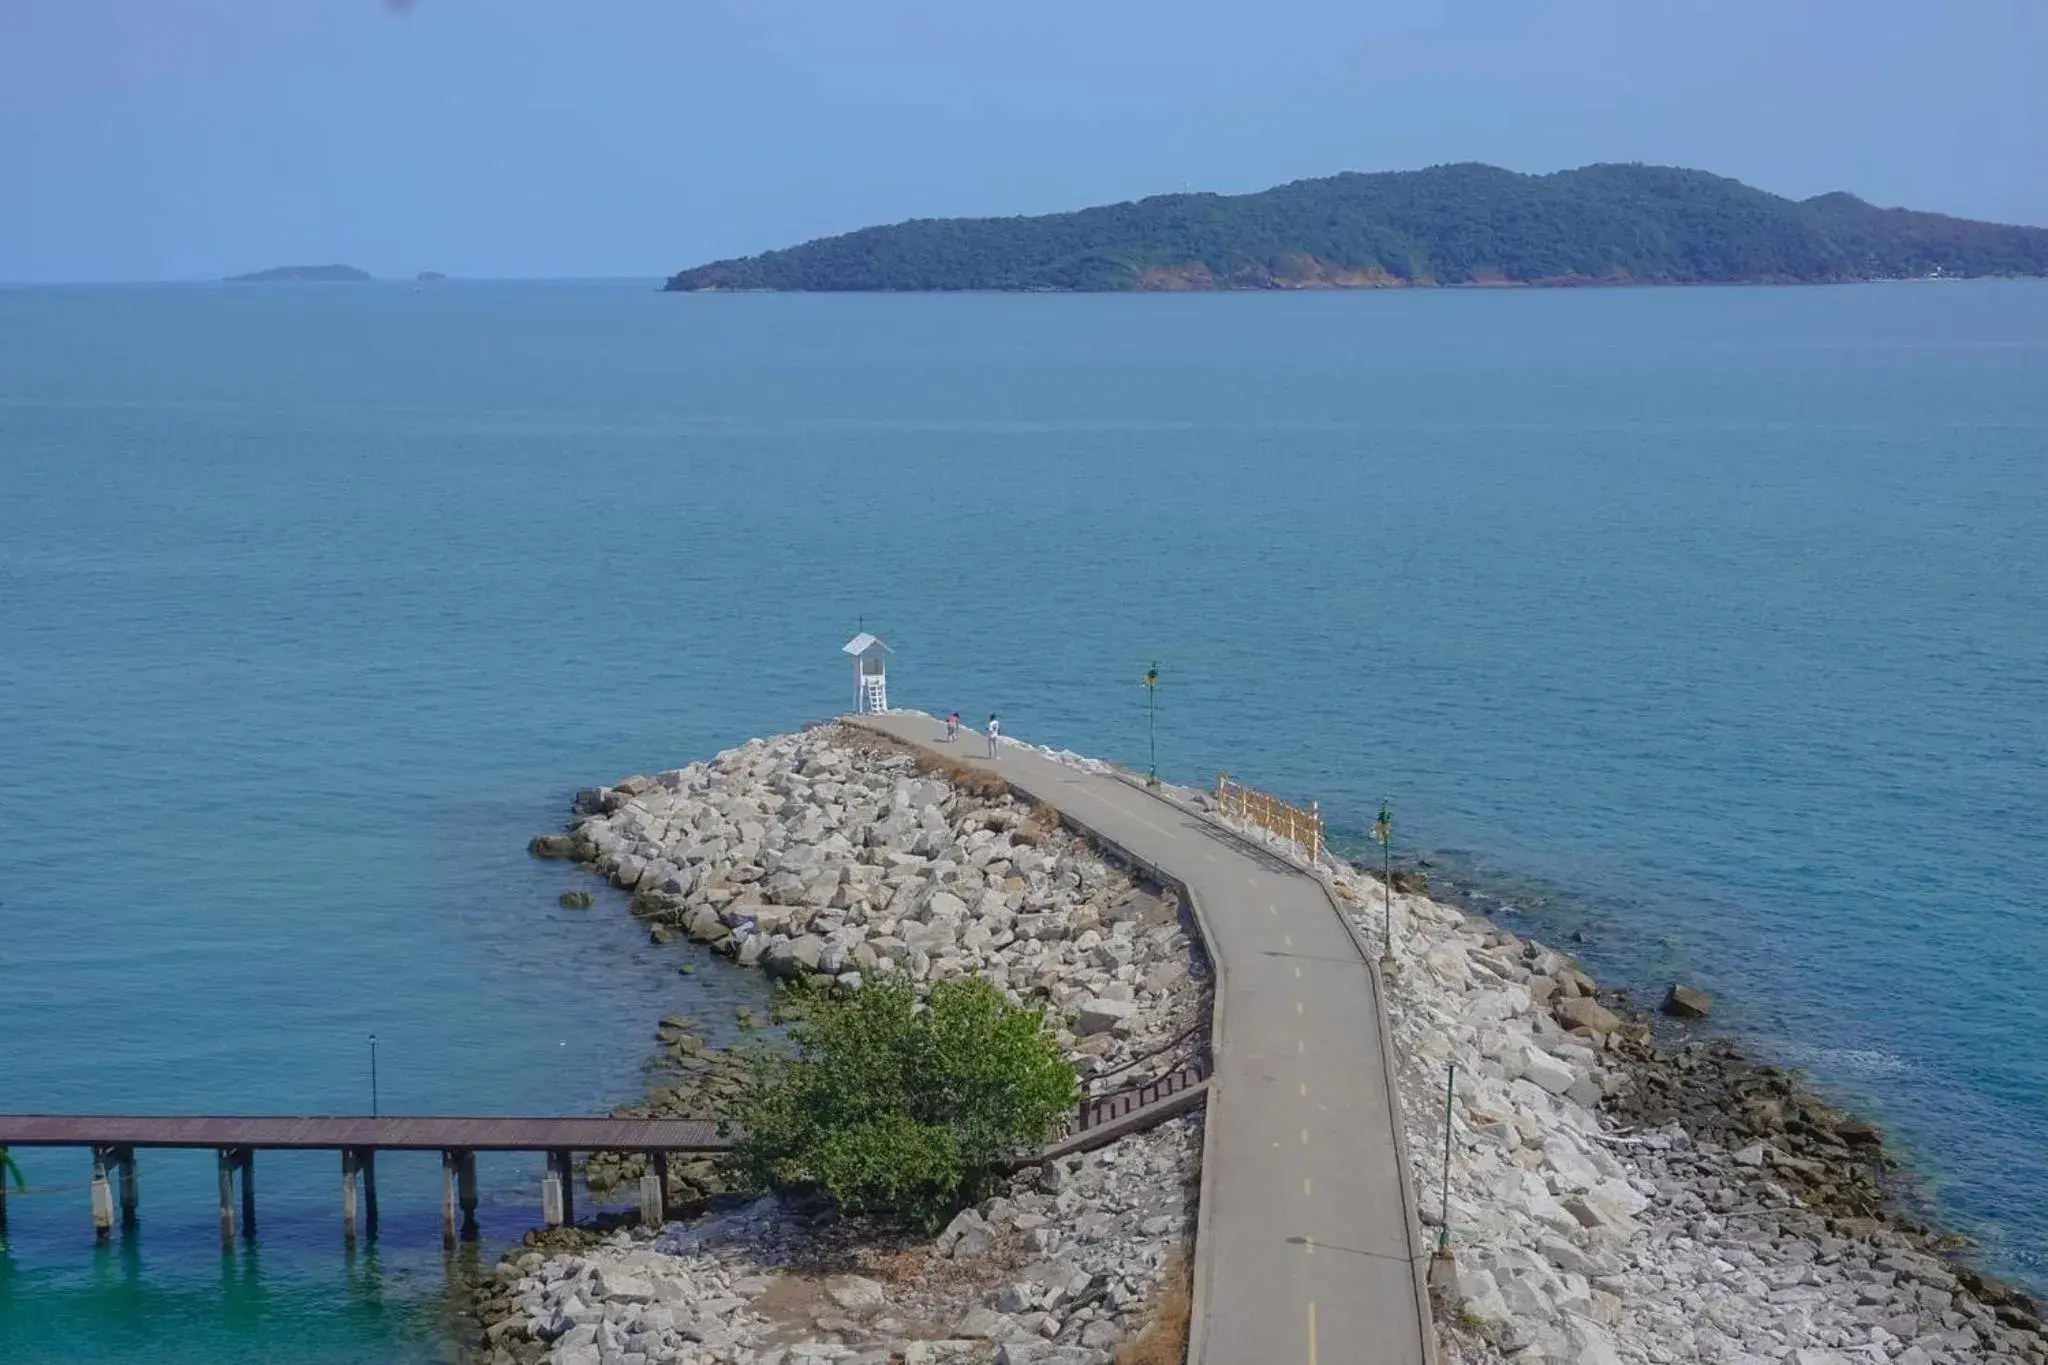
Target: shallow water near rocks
(1718, 613)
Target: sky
(188, 139)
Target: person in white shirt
(995, 732)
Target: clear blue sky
(183, 139)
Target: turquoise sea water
(1720, 616)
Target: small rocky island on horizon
(1454, 225)
(303, 274)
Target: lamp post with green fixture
(1152, 719)
(1383, 831)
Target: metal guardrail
(1290, 822)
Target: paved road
(1307, 1254)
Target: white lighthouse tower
(870, 674)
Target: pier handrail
(1137, 1105)
(1199, 1027)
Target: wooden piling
(465, 1190)
(562, 1163)
(102, 1196)
(246, 1158)
(131, 1192)
(225, 1157)
(366, 1162)
(348, 1194)
(551, 1196)
(650, 1201)
(661, 1174)
(448, 1201)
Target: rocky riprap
(1059, 1269)
(836, 854)
(1610, 1199)
(1615, 1200)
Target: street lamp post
(1443, 1220)
(1383, 830)
(1152, 718)
(373, 1075)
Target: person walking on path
(952, 727)
(995, 732)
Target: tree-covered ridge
(1463, 224)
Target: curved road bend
(1307, 1251)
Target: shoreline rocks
(1684, 1002)
(1614, 1200)
(1058, 1268)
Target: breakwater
(1610, 1195)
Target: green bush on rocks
(894, 1109)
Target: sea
(1701, 631)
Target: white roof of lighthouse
(861, 644)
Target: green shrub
(899, 1110)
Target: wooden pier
(114, 1139)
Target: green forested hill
(1465, 224)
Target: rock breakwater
(1611, 1199)
(835, 854)
(1606, 1198)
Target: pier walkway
(1306, 1247)
(115, 1138)
(1168, 1088)
(394, 1133)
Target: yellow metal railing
(1292, 823)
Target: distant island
(430, 277)
(303, 274)
(1448, 225)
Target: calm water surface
(1719, 616)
